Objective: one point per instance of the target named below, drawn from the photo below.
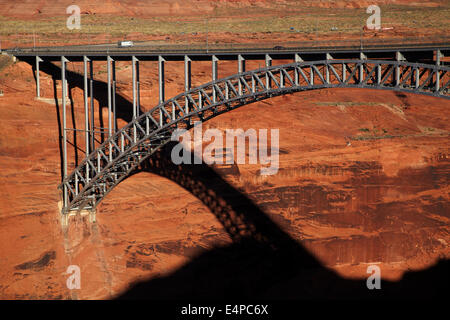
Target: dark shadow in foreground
(263, 261)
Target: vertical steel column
(38, 85)
(253, 84)
(133, 68)
(397, 75)
(297, 59)
(241, 69)
(268, 64)
(161, 61)
(417, 77)
(439, 55)
(438, 79)
(214, 74)
(138, 89)
(379, 74)
(344, 72)
(108, 62)
(187, 79)
(438, 63)
(362, 57)
(91, 91)
(114, 96)
(398, 57)
(361, 72)
(227, 91)
(86, 112)
(327, 71)
(64, 137)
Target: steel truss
(126, 149)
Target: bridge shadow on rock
(263, 261)
(124, 108)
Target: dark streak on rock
(38, 264)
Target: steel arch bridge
(126, 149)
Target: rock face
(204, 23)
(152, 8)
(363, 179)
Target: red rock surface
(43, 14)
(157, 8)
(380, 199)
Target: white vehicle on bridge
(123, 44)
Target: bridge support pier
(91, 99)
(439, 56)
(362, 57)
(438, 80)
(398, 57)
(215, 69)
(110, 120)
(297, 58)
(38, 88)
(138, 88)
(114, 128)
(108, 62)
(268, 64)
(161, 61)
(64, 125)
(241, 69)
(87, 132)
(135, 77)
(379, 74)
(187, 79)
(161, 81)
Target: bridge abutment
(65, 217)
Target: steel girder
(123, 152)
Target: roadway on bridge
(150, 48)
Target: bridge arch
(127, 148)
